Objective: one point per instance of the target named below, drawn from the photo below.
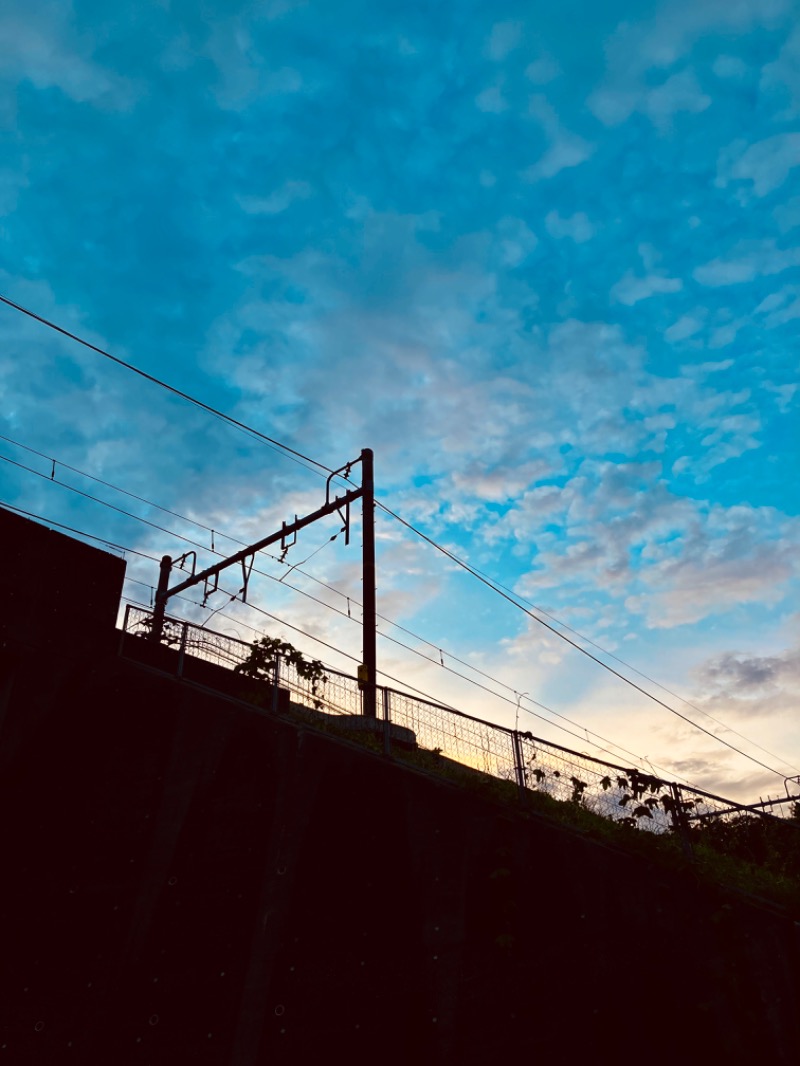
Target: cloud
(729, 67)
(492, 100)
(49, 52)
(750, 260)
(516, 241)
(679, 93)
(751, 673)
(742, 555)
(639, 52)
(504, 38)
(790, 297)
(542, 71)
(787, 214)
(565, 149)
(576, 227)
(686, 326)
(276, 201)
(746, 685)
(631, 288)
(783, 74)
(767, 164)
(501, 483)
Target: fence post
(275, 680)
(124, 628)
(387, 722)
(519, 764)
(679, 817)
(182, 650)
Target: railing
(621, 794)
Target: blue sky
(543, 259)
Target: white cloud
(729, 67)
(679, 93)
(542, 71)
(517, 241)
(786, 314)
(787, 214)
(751, 259)
(784, 72)
(699, 584)
(277, 201)
(500, 483)
(722, 336)
(48, 52)
(686, 326)
(784, 394)
(491, 100)
(639, 50)
(504, 38)
(577, 227)
(630, 289)
(565, 149)
(749, 684)
(767, 164)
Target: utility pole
(368, 573)
(333, 505)
(161, 598)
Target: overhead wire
(341, 613)
(610, 669)
(322, 468)
(263, 437)
(482, 577)
(636, 670)
(339, 651)
(72, 529)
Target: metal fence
(621, 794)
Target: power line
(107, 484)
(320, 468)
(484, 578)
(79, 532)
(489, 584)
(386, 636)
(339, 651)
(105, 503)
(635, 669)
(271, 441)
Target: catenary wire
(415, 651)
(634, 669)
(79, 532)
(300, 456)
(476, 573)
(489, 584)
(271, 441)
(320, 468)
(331, 647)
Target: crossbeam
(366, 493)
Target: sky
(543, 259)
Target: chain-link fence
(625, 795)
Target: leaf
(625, 799)
(642, 812)
(606, 783)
